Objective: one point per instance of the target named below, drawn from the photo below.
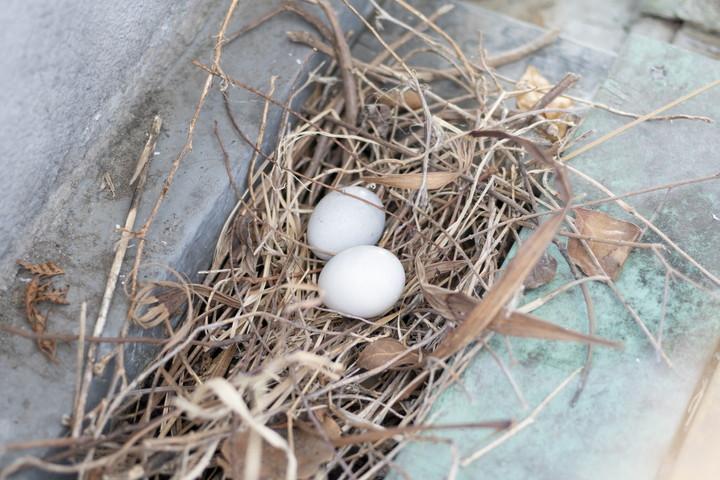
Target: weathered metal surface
(624, 422)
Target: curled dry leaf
(156, 302)
(543, 273)
(413, 181)
(47, 269)
(605, 227)
(310, 450)
(38, 321)
(533, 79)
(382, 351)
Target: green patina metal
(624, 421)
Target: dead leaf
(37, 321)
(383, 350)
(519, 324)
(533, 79)
(48, 293)
(47, 269)
(600, 225)
(543, 273)
(156, 302)
(311, 453)
(31, 291)
(331, 427)
(406, 99)
(413, 181)
(40, 289)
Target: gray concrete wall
(69, 72)
(79, 84)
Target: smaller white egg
(340, 221)
(363, 281)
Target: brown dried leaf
(331, 427)
(38, 323)
(543, 273)
(381, 351)
(407, 99)
(311, 453)
(156, 303)
(413, 181)
(519, 324)
(48, 293)
(31, 292)
(47, 269)
(37, 292)
(600, 225)
(532, 78)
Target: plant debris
(537, 88)
(254, 377)
(310, 451)
(47, 269)
(41, 289)
(606, 229)
(387, 351)
(543, 273)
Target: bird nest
(259, 379)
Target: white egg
(340, 221)
(363, 281)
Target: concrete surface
(600, 25)
(82, 82)
(70, 71)
(704, 14)
(76, 83)
(79, 84)
(691, 24)
(624, 422)
(468, 23)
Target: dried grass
(259, 380)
